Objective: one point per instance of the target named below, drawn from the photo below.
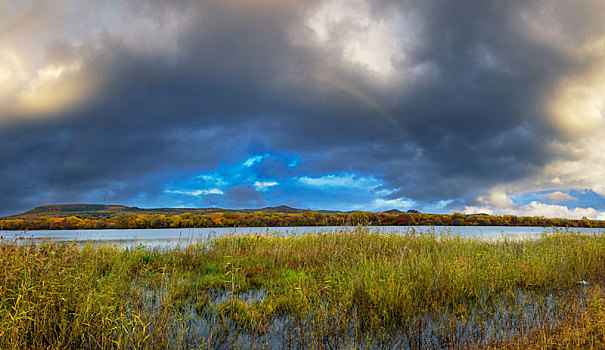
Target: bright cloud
(541, 209)
(340, 180)
(496, 199)
(558, 196)
(264, 186)
(381, 204)
(255, 159)
(45, 60)
(578, 103)
(29, 91)
(376, 42)
(197, 192)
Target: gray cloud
(456, 111)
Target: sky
(439, 106)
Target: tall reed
(358, 284)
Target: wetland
(343, 288)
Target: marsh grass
(354, 288)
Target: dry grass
(361, 287)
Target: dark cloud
(461, 115)
(243, 196)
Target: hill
(102, 210)
(99, 216)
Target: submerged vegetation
(351, 288)
(125, 220)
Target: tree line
(261, 219)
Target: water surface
(183, 236)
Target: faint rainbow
(367, 102)
(362, 99)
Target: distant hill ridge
(101, 216)
(104, 210)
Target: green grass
(362, 287)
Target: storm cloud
(342, 104)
